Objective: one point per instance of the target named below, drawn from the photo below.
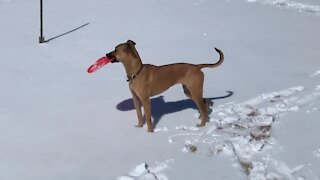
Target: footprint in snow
(144, 172)
(243, 130)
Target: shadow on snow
(160, 108)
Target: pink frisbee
(99, 63)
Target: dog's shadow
(160, 108)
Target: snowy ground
(59, 122)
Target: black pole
(41, 38)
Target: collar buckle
(132, 77)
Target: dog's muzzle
(113, 59)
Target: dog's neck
(133, 76)
(133, 67)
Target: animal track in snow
(144, 172)
(244, 130)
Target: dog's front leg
(137, 105)
(147, 112)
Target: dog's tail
(215, 64)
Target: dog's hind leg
(194, 88)
(186, 91)
(202, 109)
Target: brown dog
(147, 80)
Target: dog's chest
(137, 86)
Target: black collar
(131, 77)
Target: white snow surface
(59, 122)
(293, 5)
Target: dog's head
(123, 52)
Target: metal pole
(41, 38)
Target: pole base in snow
(42, 40)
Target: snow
(296, 6)
(59, 122)
(144, 172)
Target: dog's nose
(109, 56)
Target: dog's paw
(209, 103)
(139, 126)
(200, 125)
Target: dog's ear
(131, 42)
(131, 49)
